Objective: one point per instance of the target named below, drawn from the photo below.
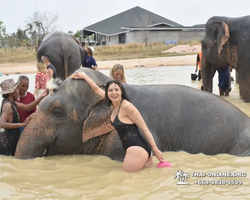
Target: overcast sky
(76, 14)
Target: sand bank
(26, 68)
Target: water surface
(98, 177)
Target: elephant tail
(65, 55)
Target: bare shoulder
(7, 107)
(128, 105)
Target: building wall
(163, 36)
(113, 39)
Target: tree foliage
(3, 35)
(44, 22)
(40, 23)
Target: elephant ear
(222, 33)
(98, 122)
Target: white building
(140, 25)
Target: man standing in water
(25, 97)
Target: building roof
(136, 17)
(199, 26)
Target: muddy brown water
(98, 177)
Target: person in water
(127, 119)
(117, 73)
(9, 121)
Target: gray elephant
(66, 54)
(227, 43)
(74, 120)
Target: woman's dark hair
(124, 95)
(5, 96)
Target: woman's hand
(78, 75)
(158, 154)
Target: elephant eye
(58, 113)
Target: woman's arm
(6, 113)
(136, 117)
(92, 84)
(35, 92)
(29, 107)
(37, 83)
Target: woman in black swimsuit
(126, 119)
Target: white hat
(91, 49)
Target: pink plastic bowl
(164, 164)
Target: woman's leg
(136, 159)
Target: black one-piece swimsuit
(130, 135)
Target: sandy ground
(26, 68)
(184, 49)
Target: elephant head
(214, 49)
(71, 121)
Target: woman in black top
(9, 121)
(126, 119)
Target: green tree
(70, 33)
(20, 36)
(77, 35)
(31, 32)
(11, 40)
(3, 34)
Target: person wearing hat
(9, 122)
(89, 61)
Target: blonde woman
(42, 78)
(117, 73)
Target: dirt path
(26, 68)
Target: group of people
(224, 76)
(19, 104)
(124, 115)
(116, 72)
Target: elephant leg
(244, 85)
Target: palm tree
(179, 175)
(39, 27)
(185, 177)
(20, 36)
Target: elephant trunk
(207, 80)
(207, 73)
(34, 141)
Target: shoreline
(30, 67)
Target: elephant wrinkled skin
(227, 42)
(179, 117)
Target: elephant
(75, 120)
(226, 42)
(65, 52)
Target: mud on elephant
(75, 121)
(227, 42)
(66, 54)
